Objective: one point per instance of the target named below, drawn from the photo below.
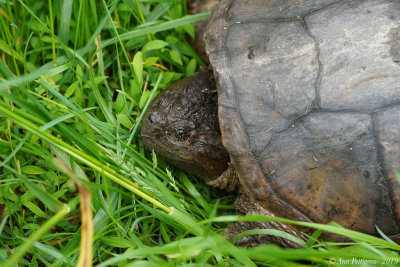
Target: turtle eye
(179, 134)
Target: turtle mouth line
(162, 150)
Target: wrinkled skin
(181, 126)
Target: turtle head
(181, 126)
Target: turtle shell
(309, 106)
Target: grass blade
(36, 236)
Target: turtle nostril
(156, 118)
(150, 119)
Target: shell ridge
(320, 65)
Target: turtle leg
(227, 181)
(246, 205)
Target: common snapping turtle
(308, 108)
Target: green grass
(75, 79)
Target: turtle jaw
(161, 150)
(198, 157)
